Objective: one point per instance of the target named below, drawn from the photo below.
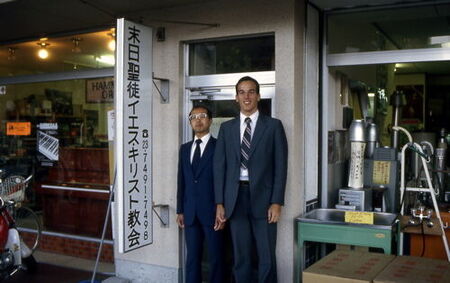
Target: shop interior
(54, 127)
(387, 147)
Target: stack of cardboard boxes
(345, 266)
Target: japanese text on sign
(135, 126)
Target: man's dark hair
(203, 107)
(247, 78)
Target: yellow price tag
(359, 217)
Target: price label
(359, 217)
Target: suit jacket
(267, 165)
(195, 194)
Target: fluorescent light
(440, 39)
(107, 59)
(371, 94)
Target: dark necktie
(245, 145)
(196, 158)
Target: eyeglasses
(198, 116)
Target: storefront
(55, 99)
(311, 58)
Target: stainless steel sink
(335, 216)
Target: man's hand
(180, 220)
(274, 212)
(220, 217)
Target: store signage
(18, 128)
(133, 135)
(100, 90)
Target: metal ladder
(429, 189)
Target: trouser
(246, 229)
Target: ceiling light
(106, 59)
(112, 45)
(76, 45)
(112, 41)
(43, 53)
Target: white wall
(160, 262)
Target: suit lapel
(236, 137)
(207, 154)
(187, 157)
(261, 125)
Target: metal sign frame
(133, 142)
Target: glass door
(212, 70)
(222, 103)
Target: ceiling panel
(22, 19)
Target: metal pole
(105, 224)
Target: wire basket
(13, 188)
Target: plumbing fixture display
(372, 139)
(355, 196)
(423, 189)
(421, 214)
(381, 174)
(357, 135)
(350, 199)
(398, 100)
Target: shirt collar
(204, 139)
(254, 117)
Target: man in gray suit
(250, 169)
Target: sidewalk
(53, 268)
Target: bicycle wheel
(29, 226)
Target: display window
(54, 127)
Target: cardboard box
(415, 269)
(343, 266)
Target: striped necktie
(245, 145)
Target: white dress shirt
(205, 140)
(243, 125)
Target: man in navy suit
(196, 209)
(250, 169)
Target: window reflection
(66, 149)
(393, 29)
(85, 51)
(232, 56)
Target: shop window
(87, 51)
(424, 86)
(57, 131)
(393, 29)
(232, 56)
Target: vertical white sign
(133, 103)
